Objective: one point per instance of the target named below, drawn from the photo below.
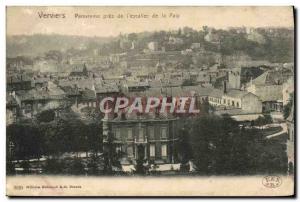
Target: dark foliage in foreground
(220, 147)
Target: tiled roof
(272, 78)
(88, 94)
(138, 84)
(53, 92)
(106, 88)
(155, 84)
(82, 83)
(10, 100)
(17, 78)
(216, 93)
(236, 93)
(199, 90)
(173, 91)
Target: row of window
(141, 133)
(229, 103)
(163, 148)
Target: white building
(236, 99)
(153, 46)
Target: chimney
(225, 87)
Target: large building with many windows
(149, 137)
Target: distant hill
(34, 45)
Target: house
(175, 40)
(87, 98)
(256, 37)
(36, 100)
(12, 109)
(79, 72)
(40, 82)
(80, 91)
(195, 46)
(268, 87)
(136, 86)
(153, 46)
(18, 82)
(235, 99)
(148, 137)
(212, 36)
(234, 78)
(103, 90)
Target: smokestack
(225, 87)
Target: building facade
(152, 139)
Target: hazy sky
(26, 20)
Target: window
(232, 103)
(141, 135)
(164, 150)
(152, 150)
(224, 101)
(129, 134)
(163, 133)
(151, 133)
(118, 134)
(118, 149)
(130, 151)
(238, 104)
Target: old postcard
(150, 101)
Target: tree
(220, 147)
(46, 116)
(188, 82)
(10, 168)
(268, 119)
(260, 121)
(217, 145)
(94, 138)
(288, 106)
(26, 166)
(139, 167)
(93, 165)
(57, 137)
(27, 141)
(184, 150)
(54, 166)
(76, 167)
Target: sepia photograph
(150, 101)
